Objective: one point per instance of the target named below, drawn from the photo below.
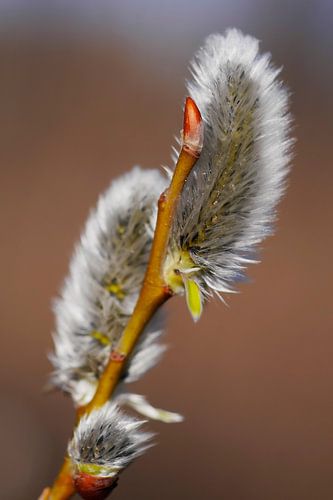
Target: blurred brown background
(87, 90)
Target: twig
(154, 291)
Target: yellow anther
(100, 337)
(115, 290)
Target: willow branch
(154, 291)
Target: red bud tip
(193, 128)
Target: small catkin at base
(104, 443)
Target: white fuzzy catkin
(100, 292)
(108, 440)
(228, 203)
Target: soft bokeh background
(87, 89)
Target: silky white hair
(100, 292)
(228, 203)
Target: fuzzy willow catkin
(228, 203)
(104, 443)
(100, 292)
